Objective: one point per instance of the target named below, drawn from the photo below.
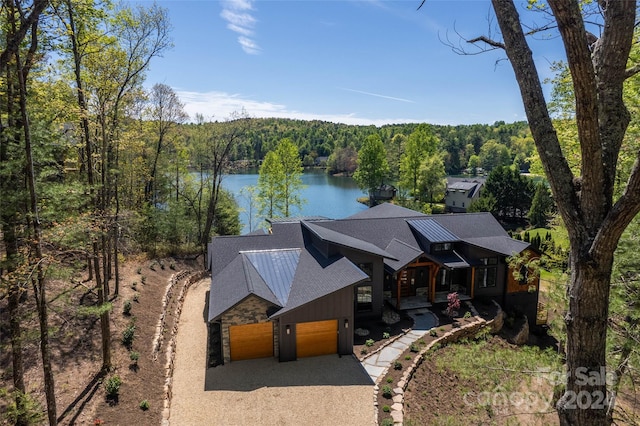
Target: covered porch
(425, 282)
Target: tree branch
(488, 41)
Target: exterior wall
(377, 280)
(472, 253)
(338, 305)
(249, 311)
(457, 201)
(522, 297)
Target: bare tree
(594, 220)
(166, 112)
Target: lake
(334, 197)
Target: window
(524, 275)
(364, 298)
(441, 247)
(367, 268)
(487, 276)
(454, 202)
(463, 204)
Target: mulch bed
(377, 328)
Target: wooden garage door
(316, 338)
(251, 341)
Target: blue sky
(356, 62)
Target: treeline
(478, 145)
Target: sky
(355, 62)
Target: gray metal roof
(432, 231)
(276, 268)
(451, 260)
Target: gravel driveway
(310, 391)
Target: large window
(487, 275)
(364, 298)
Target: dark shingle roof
(344, 240)
(404, 254)
(385, 210)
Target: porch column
(432, 290)
(399, 290)
(473, 280)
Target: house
(461, 192)
(297, 290)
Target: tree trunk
(105, 327)
(39, 281)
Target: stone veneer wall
(249, 311)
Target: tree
(269, 183)
(372, 165)
(432, 179)
(494, 154)
(280, 180)
(541, 206)
(595, 220)
(165, 112)
(511, 191)
(420, 143)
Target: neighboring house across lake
(461, 192)
(297, 290)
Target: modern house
(297, 290)
(461, 192)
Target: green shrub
(422, 342)
(414, 348)
(128, 334)
(144, 405)
(407, 357)
(364, 351)
(112, 386)
(139, 271)
(31, 411)
(397, 365)
(386, 408)
(386, 335)
(134, 356)
(126, 308)
(369, 342)
(136, 297)
(387, 422)
(172, 266)
(467, 315)
(433, 332)
(134, 286)
(162, 265)
(387, 392)
(143, 279)
(389, 380)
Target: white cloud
(239, 19)
(221, 105)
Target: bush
(364, 351)
(387, 422)
(387, 392)
(386, 335)
(467, 314)
(407, 357)
(136, 297)
(389, 380)
(126, 308)
(143, 279)
(414, 348)
(128, 335)
(139, 271)
(386, 408)
(172, 266)
(144, 405)
(134, 356)
(112, 386)
(369, 342)
(397, 365)
(433, 332)
(134, 286)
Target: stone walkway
(379, 362)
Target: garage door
(316, 338)
(251, 341)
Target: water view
(334, 197)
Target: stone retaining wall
(466, 331)
(171, 346)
